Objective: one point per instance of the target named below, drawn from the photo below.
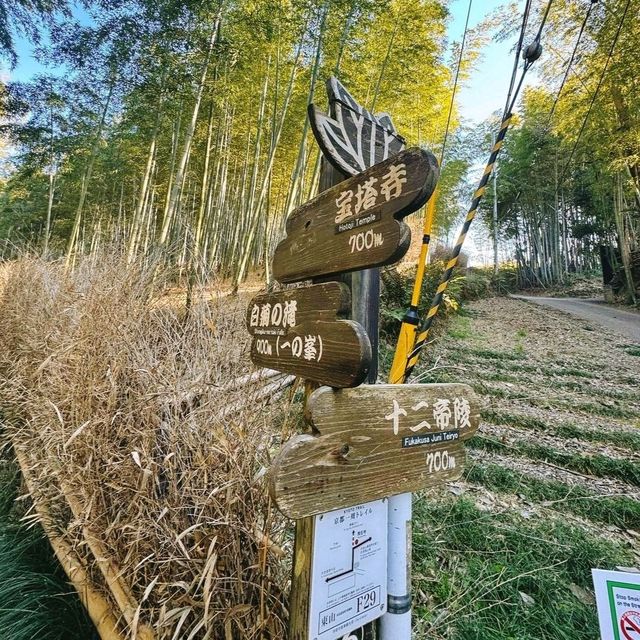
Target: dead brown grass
(117, 404)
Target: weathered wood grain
(297, 332)
(275, 313)
(301, 580)
(357, 224)
(373, 441)
(335, 353)
(351, 137)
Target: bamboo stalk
(111, 572)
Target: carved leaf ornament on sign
(354, 139)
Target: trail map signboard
(357, 224)
(374, 441)
(348, 571)
(618, 600)
(297, 332)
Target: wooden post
(365, 307)
(349, 127)
(303, 546)
(301, 579)
(365, 292)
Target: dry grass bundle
(119, 408)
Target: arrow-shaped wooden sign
(357, 224)
(371, 442)
(355, 139)
(297, 331)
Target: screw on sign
(371, 442)
(630, 625)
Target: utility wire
(573, 55)
(564, 79)
(523, 28)
(411, 319)
(544, 21)
(455, 84)
(595, 94)
(531, 54)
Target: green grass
(489, 354)
(633, 350)
(36, 601)
(620, 511)
(471, 566)
(499, 376)
(518, 367)
(459, 327)
(513, 420)
(609, 411)
(595, 465)
(627, 439)
(573, 371)
(591, 389)
(504, 394)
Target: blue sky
(486, 90)
(483, 93)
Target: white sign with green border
(618, 600)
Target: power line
(531, 54)
(523, 28)
(573, 55)
(544, 20)
(455, 84)
(595, 94)
(568, 69)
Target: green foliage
(491, 558)
(596, 465)
(465, 284)
(396, 292)
(36, 601)
(628, 439)
(568, 175)
(620, 511)
(157, 134)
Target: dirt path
(552, 486)
(626, 323)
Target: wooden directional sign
(297, 332)
(354, 139)
(357, 224)
(373, 441)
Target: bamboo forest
(183, 125)
(319, 320)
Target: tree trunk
(178, 182)
(86, 178)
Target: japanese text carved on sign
(297, 332)
(358, 223)
(374, 441)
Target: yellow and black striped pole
(411, 319)
(422, 332)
